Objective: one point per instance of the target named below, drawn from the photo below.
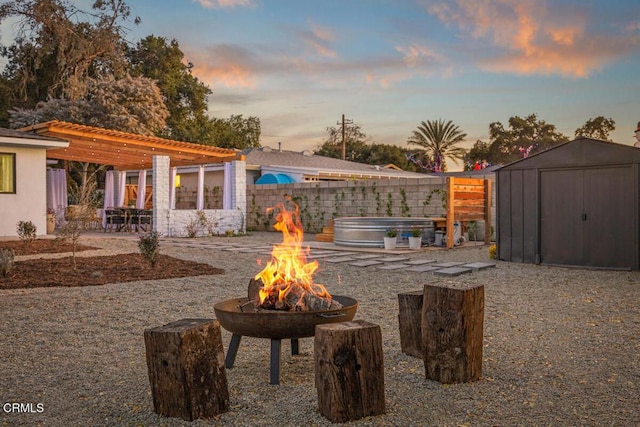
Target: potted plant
(391, 238)
(51, 221)
(415, 240)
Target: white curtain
(142, 189)
(122, 186)
(57, 192)
(108, 195)
(200, 194)
(172, 189)
(226, 187)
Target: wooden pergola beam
(126, 151)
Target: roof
(122, 150)
(323, 167)
(24, 139)
(579, 152)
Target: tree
(355, 141)
(525, 136)
(439, 140)
(236, 132)
(55, 51)
(478, 153)
(184, 95)
(384, 154)
(597, 127)
(130, 104)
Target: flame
(288, 276)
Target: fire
(287, 279)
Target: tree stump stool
(349, 370)
(185, 360)
(410, 323)
(452, 332)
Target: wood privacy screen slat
(468, 199)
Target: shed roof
(579, 152)
(123, 150)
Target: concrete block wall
(319, 202)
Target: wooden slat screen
(468, 199)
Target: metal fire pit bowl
(276, 325)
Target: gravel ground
(561, 347)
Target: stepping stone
(452, 271)
(420, 261)
(392, 267)
(366, 256)
(340, 259)
(314, 252)
(322, 255)
(448, 264)
(250, 250)
(339, 253)
(365, 263)
(479, 265)
(393, 259)
(423, 268)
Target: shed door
(561, 225)
(587, 217)
(609, 228)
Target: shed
(576, 204)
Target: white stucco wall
(29, 203)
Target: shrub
(392, 232)
(493, 251)
(149, 245)
(26, 231)
(6, 261)
(416, 232)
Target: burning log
(295, 298)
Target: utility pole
(344, 142)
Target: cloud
(532, 38)
(226, 65)
(316, 37)
(218, 4)
(415, 55)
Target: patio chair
(145, 219)
(115, 220)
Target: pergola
(131, 152)
(125, 151)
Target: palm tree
(439, 140)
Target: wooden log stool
(410, 322)
(349, 370)
(452, 332)
(185, 360)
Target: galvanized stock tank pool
(369, 231)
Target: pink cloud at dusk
(215, 4)
(532, 39)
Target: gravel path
(561, 347)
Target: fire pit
(283, 302)
(276, 325)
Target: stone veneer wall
(319, 202)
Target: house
(23, 186)
(265, 165)
(574, 204)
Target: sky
(387, 65)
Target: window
(7, 173)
